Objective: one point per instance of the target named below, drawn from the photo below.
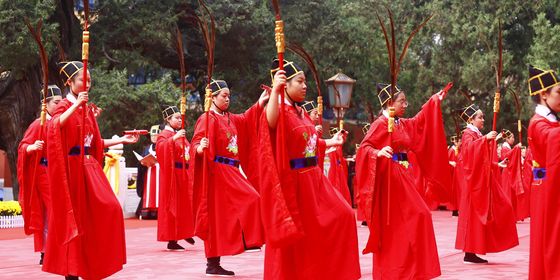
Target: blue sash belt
(75, 151)
(400, 157)
(299, 163)
(226, 161)
(179, 165)
(539, 173)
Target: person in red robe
(147, 185)
(486, 219)
(455, 193)
(543, 135)
(313, 114)
(86, 229)
(360, 211)
(510, 163)
(524, 199)
(228, 209)
(401, 230)
(34, 193)
(175, 214)
(338, 171)
(310, 228)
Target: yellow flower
(10, 208)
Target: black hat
(384, 92)
(52, 91)
(365, 129)
(334, 130)
(506, 133)
(154, 130)
(291, 68)
(169, 111)
(309, 106)
(540, 80)
(469, 112)
(217, 85)
(69, 69)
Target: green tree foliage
(459, 44)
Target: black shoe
(42, 257)
(455, 213)
(218, 271)
(174, 246)
(471, 258)
(364, 224)
(71, 277)
(190, 240)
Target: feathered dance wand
(299, 50)
(208, 30)
(180, 53)
(36, 33)
(498, 79)
(280, 49)
(518, 109)
(394, 68)
(85, 59)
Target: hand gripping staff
(394, 68)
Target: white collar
(167, 127)
(386, 114)
(545, 112)
(287, 100)
(49, 117)
(70, 96)
(216, 112)
(506, 145)
(474, 128)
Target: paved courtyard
(147, 258)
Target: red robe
(228, 214)
(338, 173)
(310, 228)
(401, 229)
(524, 199)
(486, 219)
(151, 195)
(86, 232)
(512, 180)
(34, 199)
(544, 246)
(175, 214)
(454, 187)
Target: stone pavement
(147, 258)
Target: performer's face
(478, 120)
(297, 88)
(153, 138)
(175, 121)
(510, 140)
(400, 105)
(314, 115)
(552, 98)
(77, 82)
(52, 103)
(221, 100)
